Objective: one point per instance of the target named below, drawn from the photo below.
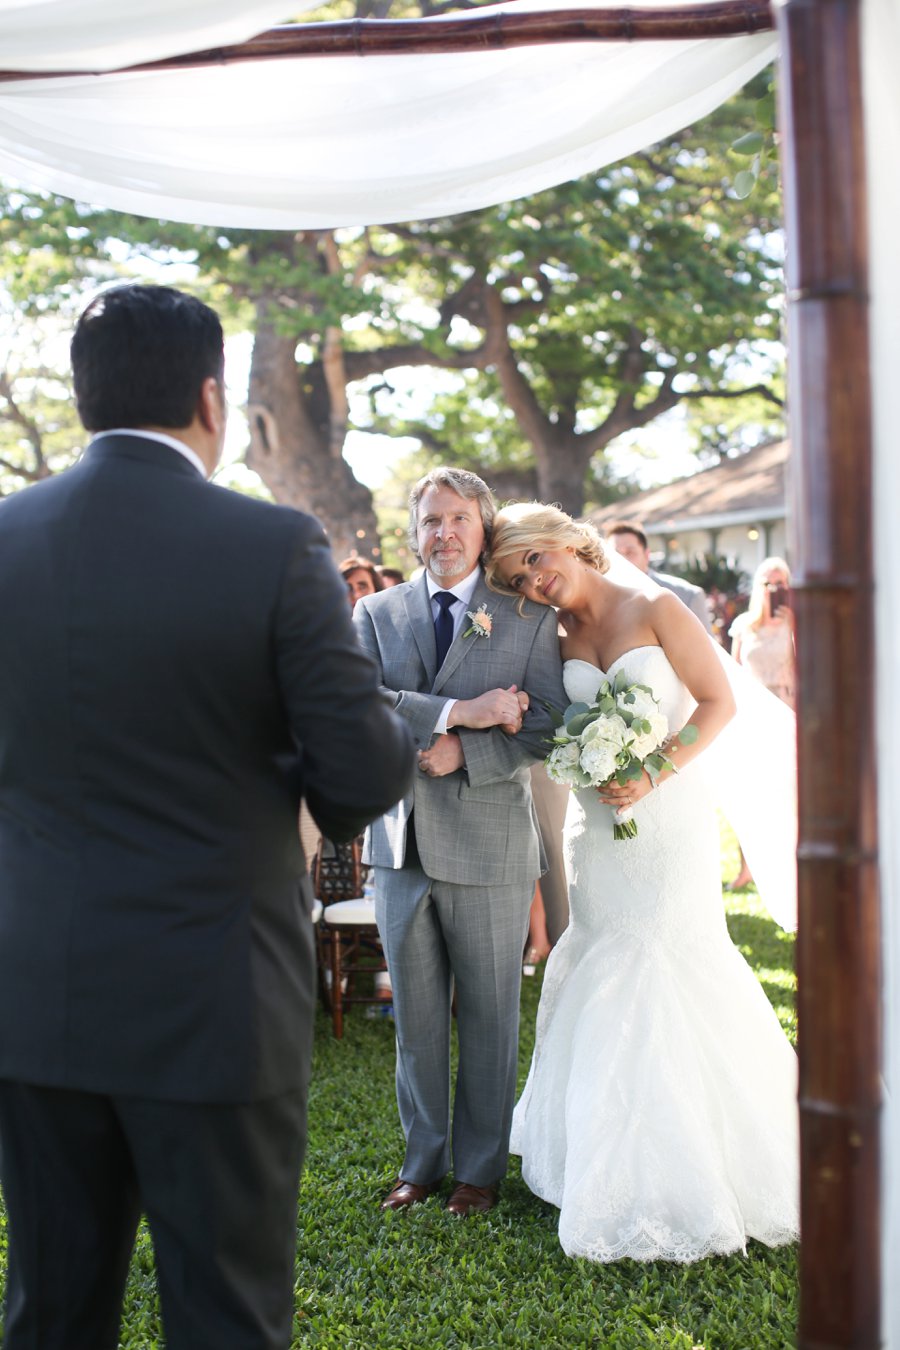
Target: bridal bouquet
(618, 736)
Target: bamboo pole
(468, 32)
(839, 932)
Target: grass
(423, 1279)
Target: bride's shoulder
(665, 603)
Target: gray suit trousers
(431, 929)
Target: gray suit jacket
(688, 594)
(475, 826)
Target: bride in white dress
(660, 1111)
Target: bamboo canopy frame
(839, 936)
(468, 33)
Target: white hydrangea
(563, 765)
(645, 743)
(612, 729)
(599, 760)
(644, 704)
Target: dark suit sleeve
(357, 754)
(491, 755)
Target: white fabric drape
(95, 35)
(319, 142)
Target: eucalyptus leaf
(744, 183)
(688, 734)
(748, 145)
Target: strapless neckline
(592, 665)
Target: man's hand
(512, 728)
(443, 757)
(494, 708)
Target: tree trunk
(562, 464)
(292, 451)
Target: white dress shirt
(463, 590)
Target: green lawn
(366, 1279)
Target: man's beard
(452, 565)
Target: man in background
(628, 539)
(361, 577)
(177, 666)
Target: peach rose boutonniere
(482, 622)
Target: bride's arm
(693, 658)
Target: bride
(659, 1114)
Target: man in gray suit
(456, 860)
(627, 538)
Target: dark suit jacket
(177, 663)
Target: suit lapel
(460, 646)
(421, 624)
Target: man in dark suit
(177, 664)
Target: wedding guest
(627, 538)
(763, 637)
(762, 640)
(361, 577)
(390, 576)
(178, 668)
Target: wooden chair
(348, 945)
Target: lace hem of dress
(648, 1241)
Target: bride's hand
(620, 795)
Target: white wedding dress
(660, 1111)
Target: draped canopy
(328, 141)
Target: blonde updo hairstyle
(525, 525)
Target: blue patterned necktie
(443, 625)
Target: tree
(573, 317)
(589, 310)
(39, 431)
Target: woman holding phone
(762, 640)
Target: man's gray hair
(464, 484)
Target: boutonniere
(482, 622)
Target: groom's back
(147, 818)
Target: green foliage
(39, 429)
(712, 572)
(758, 145)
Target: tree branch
(762, 390)
(361, 364)
(17, 417)
(520, 396)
